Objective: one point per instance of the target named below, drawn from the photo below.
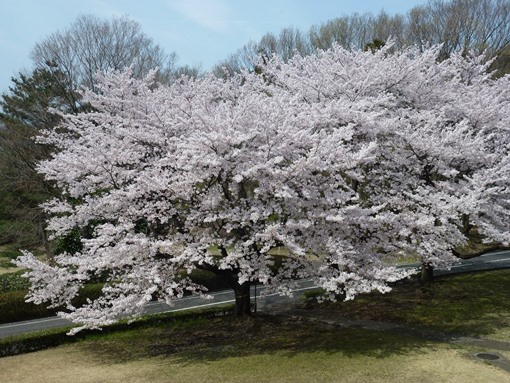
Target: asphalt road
(490, 261)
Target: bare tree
(357, 30)
(245, 58)
(480, 26)
(387, 27)
(419, 27)
(337, 30)
(286, 44)
(290, 41)
(91, 44)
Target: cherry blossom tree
(346, 159)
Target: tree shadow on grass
(472, 305)
(226, 337)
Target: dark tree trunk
(241, 291)
(427, 274)
(242, 296)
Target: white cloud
(214, 15)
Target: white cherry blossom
(348, 160)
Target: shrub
(13, 308)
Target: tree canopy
(347, 159)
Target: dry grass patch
(131, 358)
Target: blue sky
(199, 31)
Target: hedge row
(13, 307)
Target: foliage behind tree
(25, 112)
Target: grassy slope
(276, 349)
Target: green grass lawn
(263, 349)
(269, 348)
(476, 304)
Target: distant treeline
(478, 26)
